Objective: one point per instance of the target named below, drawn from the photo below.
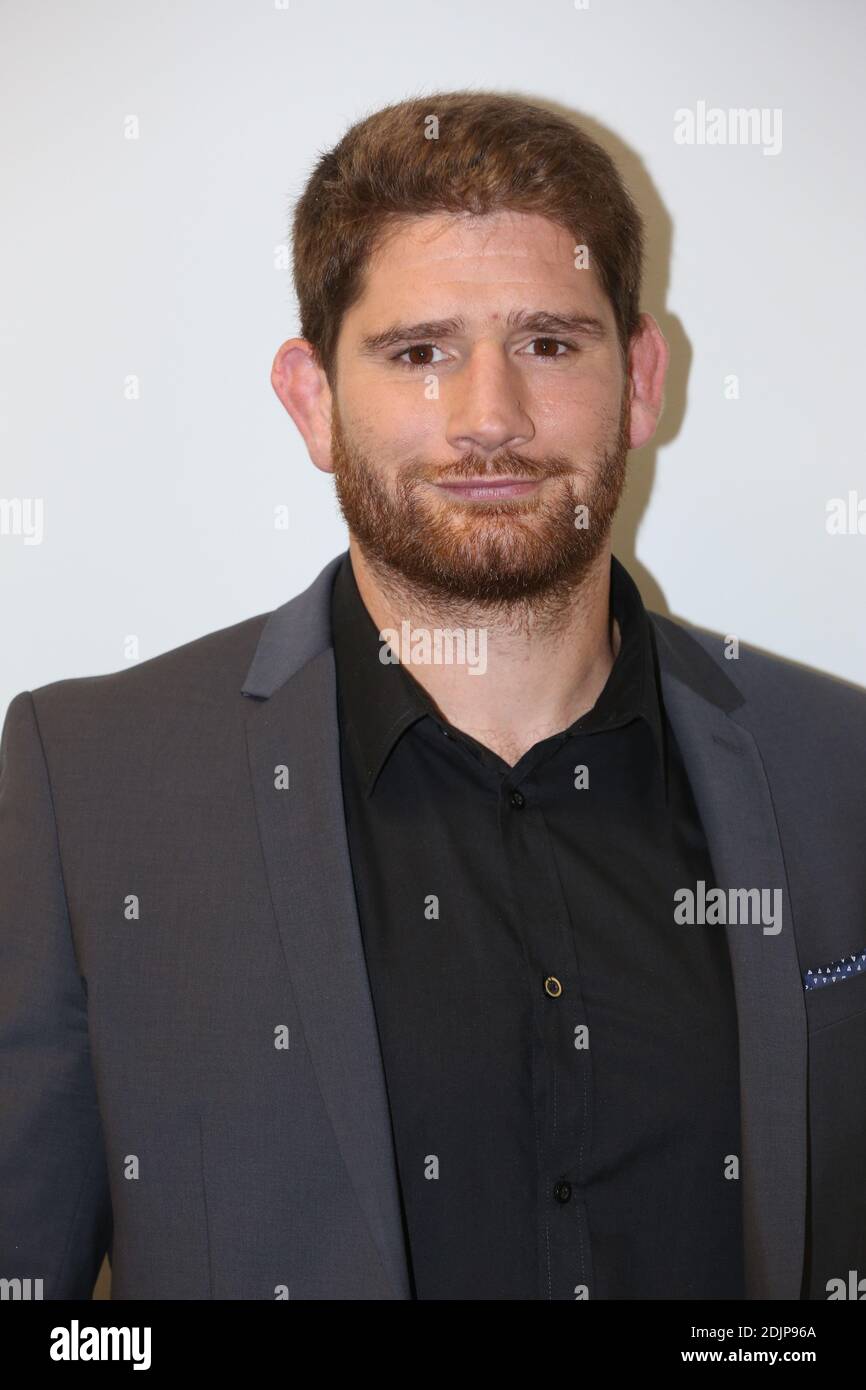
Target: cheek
(575, 414)
(583, 398)
(405, 421)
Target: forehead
(503, 252)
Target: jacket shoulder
(764, 679)
(162, 696)
(203, 671)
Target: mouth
(489, 489)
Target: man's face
(507, 393)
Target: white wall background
(156, 257)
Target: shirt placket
(561, 1065)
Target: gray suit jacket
(190, 1075)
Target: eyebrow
(537, 321)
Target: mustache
(507, 466)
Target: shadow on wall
(659, 242)
(658, 229)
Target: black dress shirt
(560, 1056)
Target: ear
(648, 363)
(303, 389)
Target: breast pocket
(829, 1004)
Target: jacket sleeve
(55, 1206)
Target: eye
(418, 347)
(552, 342)
(568, 348)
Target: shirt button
(562, 1191)
(552, 987)
(517, 799)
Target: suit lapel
(293, 724)
(733, 798)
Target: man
(459, 929)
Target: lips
(489, 488)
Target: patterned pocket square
(834, 972)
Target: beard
(525, 553)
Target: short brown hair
(492, 153)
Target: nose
(484, 411)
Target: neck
(545, 662)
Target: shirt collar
(379, 701)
